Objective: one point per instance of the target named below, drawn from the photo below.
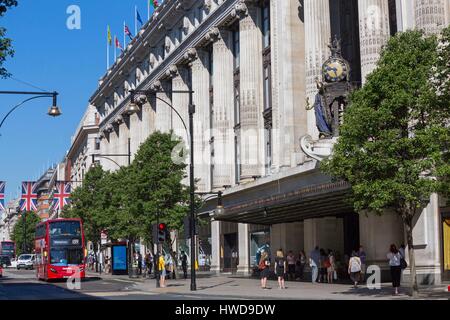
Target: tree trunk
(412, 261)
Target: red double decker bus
(8, 248)
(60, 249)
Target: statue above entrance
(333, 91)
(329, 105)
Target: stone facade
(252, 66)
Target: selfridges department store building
(255, 67)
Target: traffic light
(160, 233)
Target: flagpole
(135, 20)
(115, 49)
(148, 9)
(107, 48)
(124, 36)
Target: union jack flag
(29, 199)
(2, 196)
(61, 196)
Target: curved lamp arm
(133, 93)
(17, 106)
(179, 116)
(98, 156)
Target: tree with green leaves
(91, 203)
(5, 43)
(393, 147)
(24, 232)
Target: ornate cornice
(172, 71)
(240, 10)
(190, 55)
(119, 120)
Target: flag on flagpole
(138, 17)
(154, 4)
(109, 36)
(108, 44)
(2, 196)
(62, 195)
(118, 45)
(128, 33)
(29, 199)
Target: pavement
(213, 286)
(22, 285)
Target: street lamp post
(190, 132)
(107, 156)
(191, 165)
(131, 271)
(24, 221)
(54, 110)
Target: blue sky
(54, 58)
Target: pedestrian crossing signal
(160, 233)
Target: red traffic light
(162, 226)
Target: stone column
(223, 111)
(431, 15)
(147, 124)
(376, 234)
(163, 112)
(251, 91)
(202, 133)
(405, 15)
(122, 147)
(244, 249)
(135, 124)
(427, 245)
(447, 13)
(180, 101)
(288, 82)
(373, 32)
(215, 245)
(317, 39)
(288, 236)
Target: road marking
(117, 294)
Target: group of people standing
(289, 267)
(324, 266)
(167, 267)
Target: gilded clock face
(335, 70)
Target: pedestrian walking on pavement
(147, 265)
(139, 262)
(362, 255)
(184, 263)
(101, 261)
(314, 263)
(290, 266)
(395, 257)
(323, 266)
(280, 268)
(354, 268)
(331, 266)
(264, 267)
(300, 265)
(162, 271)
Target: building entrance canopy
(296, 201)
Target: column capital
(156, 85)
(240, 10)
(119, 120)
(190, 54)
(212, 35)
(172, 71)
